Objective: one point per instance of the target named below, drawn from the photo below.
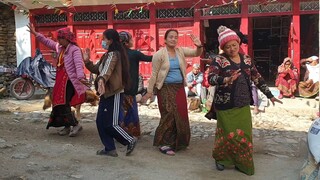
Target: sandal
(219, 166)
(112, 153)
(167, 150)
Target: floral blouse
(222, 67)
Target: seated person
(310, 86)
(287, 79)
(208, 90)
(194, 81)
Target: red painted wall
(148, 34)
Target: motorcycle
(32, 73)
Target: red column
(110, 17)
(295, 36)
(196, 29)
(153, 27)
(244, 26)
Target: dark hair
(113, 35)
(125, 37)
(168, 31)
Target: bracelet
(199, 46)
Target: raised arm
(46, 41)
(93, 68)
(188, 52)
(303, 62)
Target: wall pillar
(294, 51)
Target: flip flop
(167, 150)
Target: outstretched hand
(31, 29)
(86, 55)
(195, 40)
(273, 100)
(233, 77)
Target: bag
(194, 104)
(314, 139)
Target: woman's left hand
(273, 100)
(195, 40)
(101, 87)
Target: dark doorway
(270, 44)
(309, 35)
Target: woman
(231, 72)
(112, 79)
(69, 89)
(287, 79)
(131, 122)
(310, 86)
(168, 78)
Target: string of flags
(71, 9)
(129, 11)
(65, 3)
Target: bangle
(199, 46)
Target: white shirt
(313, 72)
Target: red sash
(60, 87)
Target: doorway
(309, 35)
(211, 34)
(270, 44)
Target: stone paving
(280, 131)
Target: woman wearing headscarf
(69, 89)
(131, 123)
(168, 79)
(232, 72)
(112, 80)
(287, 79)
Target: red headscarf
(65, 33)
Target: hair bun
(221, 29)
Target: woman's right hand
(31, 29)
(86, 55)
(146, 97)
(233, 77)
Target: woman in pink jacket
(69, 89)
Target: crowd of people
(230, 78)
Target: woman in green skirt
(232, 72)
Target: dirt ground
(29, 151)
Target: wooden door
(142, 42)
(91, 37)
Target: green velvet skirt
(233, 139)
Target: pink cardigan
(73, 62)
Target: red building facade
(275, 29)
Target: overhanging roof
(27, 4)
